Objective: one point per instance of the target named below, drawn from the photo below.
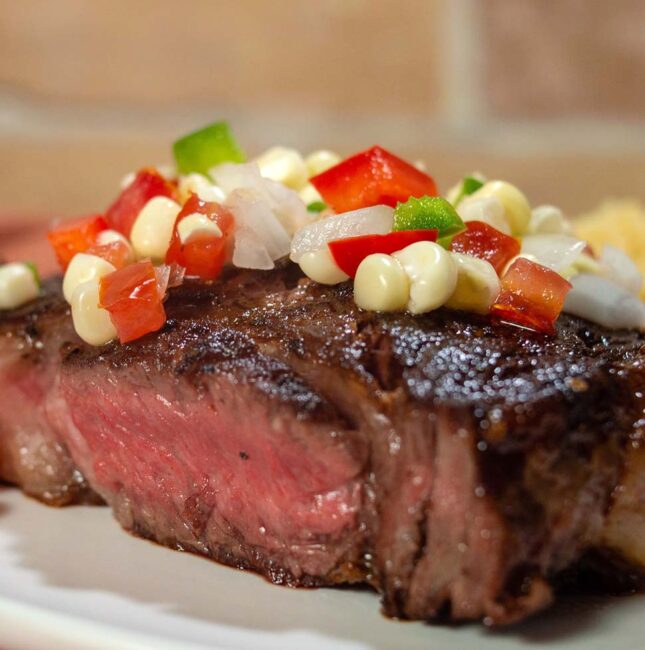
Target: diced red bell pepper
(147, 184)
(74, 236)
(202, 255)
(487, 243)
(116, 253)
(531, 295)
(350, 252)
(134, 300)
(372, 177)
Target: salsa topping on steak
(372, 218)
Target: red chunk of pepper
(350, 252)
(531, 296)
(147, 184)
(487, 243)
(134, 300)
(74, 236)
(202, 255)
(372, 177)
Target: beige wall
(549, 93)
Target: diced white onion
(557, 252)
(260, 237)
(599, 300)
(18, 285)
(432, 273)
(321, 267)
(619, 267)
(548, 220)
(286, 205)
(91, 322)
(376, 220)
(83, 268)
(250, 252)
(320, 161)
(283, 165)
(516, 206)
(487, 209)
(381, 284)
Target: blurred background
(549, 94)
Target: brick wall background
(547, 93)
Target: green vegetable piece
(317, 206)
(204, 149)
(428, 213)
(34, 271)
(470, 185)
(445, 241)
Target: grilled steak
(31, 454)
(454, 465)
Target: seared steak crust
(455, 465)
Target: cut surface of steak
(454, 465)
(32, 340)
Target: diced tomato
(134, 300)
(202, 255)
(74, 236)
(532, 296)
(372, 177)
(147, 184)
(350, 252)
(487, 243)
(116, 253)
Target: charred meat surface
(454, 465)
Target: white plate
(72, 579)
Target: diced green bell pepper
(428, 212)
(317, 206)
(468, 185)
(202, 150)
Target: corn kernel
(477, 285)
(309, 194)
(320, 161)
(548, 220)
(196, 225)
(516, 206)
(283, 165)
(152, 230)
(381, 284)
(198, 184)
(18, 285)
(432, 274)
(320, 266)
(487, 209)
(91, 322)
(83, 268)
